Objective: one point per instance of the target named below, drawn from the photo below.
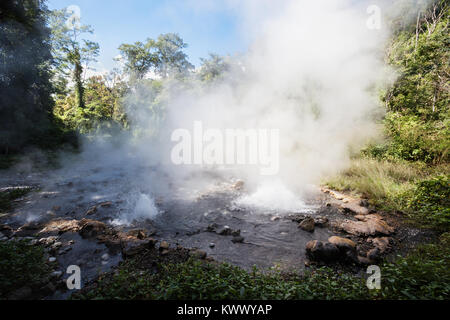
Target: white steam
(310, 73)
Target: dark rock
(6, 230)
(198, 254)
(28, 229)
(307, 224)
(364, 260)
(237, 239)
(212, 227)
(364, 203)
(91, 228)
(324, 252)
(131, 248)
(320, 221)
(225, 231)
(236, 233)
(374, 254)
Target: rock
(28, 229)
(275, 218)
(106, 204)
(60, 226)
(383, 243)
(307, 224)
(212, 227)
(320, 221)
(6, 230)
(105, 257)
(131, 248)
(237, 239)
(198, 254)
(364, 260)
(56, 274)
(164, 252)
(354, 208)
(164, 245)
(212, 245)
(91, 228)
(56, 245)
(238, 185)
(324, 252)
(374, 254)
(91, 211)
(225, 231)
(20, 294)
(236, 233)
(369, 226)
(48, 241)
(51, 259)
(138, 233)
(364, 203)
(342, 242)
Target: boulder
(198, 254)
(342, 242)
(131, 248)
(320, 221)
(60, 226)
(368, 225)
(225, 231)
(307, 224)
(164, 245)
(323, 252)
(138, 233)
(91, 228)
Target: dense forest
(48, 102)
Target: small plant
(21, 264)
(429, 202)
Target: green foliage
(25, 87)
(164, 56)
(413, 139)
(418, 103)
(71, 53)
(21, 264)
(423, 274)
(103, 107)
(198, 280)
(429, 202)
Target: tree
(171, 58)
(72, 53)
(25, 87)
(139, 58)
(213, 68)
(165, 57)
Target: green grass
(423, 274)
(419, 191)
(21, 264)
